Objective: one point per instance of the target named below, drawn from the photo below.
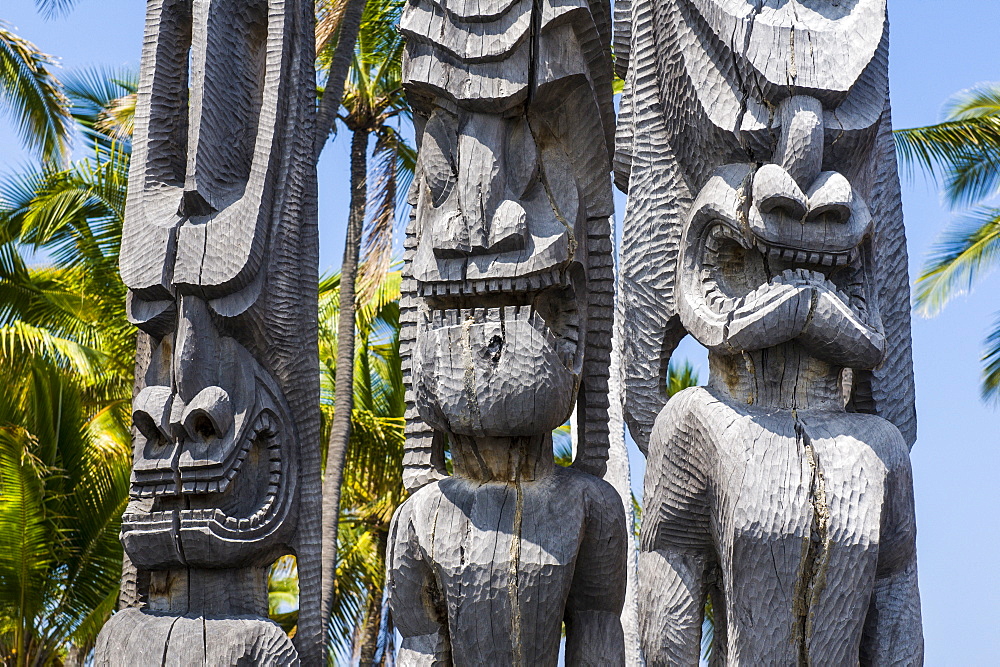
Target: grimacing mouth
(552, 301)
(219, 495)
(733, 267)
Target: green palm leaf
(964, 149)
(51, 8)
(967, 249)
(32, 94)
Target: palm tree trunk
(340, 431)
(372, 627)
(326, 115)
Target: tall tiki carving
(219, 252)
(764, 219)
(507, 321)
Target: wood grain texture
(506, 332)
(764, 220)
(219, 253)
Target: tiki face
(215, 455)
(502, 277)
(806, 98)
(511, 192)
(215, 464)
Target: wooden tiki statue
(507, 320)
(764, 220)
(219, 252)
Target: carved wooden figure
(507, 324)
(764, 219)
(219, 253)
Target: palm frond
(680, 377)
(26, 553)
(33, 95)
(965, 251)
(980, 101)
(20, 340)
(53, 8)
(102, 101)
(964, 149)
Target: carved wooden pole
(219, 252)
(507, 323)
(764, 219)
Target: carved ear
(438, 148)
(887, 391)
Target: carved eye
(437, 154)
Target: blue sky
(938, 47)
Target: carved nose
(151, 412)
(463, 234)
(197, 345)
(830, 195)
(208, 415)
(800, 145)
(775, 190)
(508, 228)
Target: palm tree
(337, 26)
(372, 474)
(64, 475)
(33, 96)
(373, 99)
(66, 366)
(372, 485)
(963, 150)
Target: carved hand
(836, 334)
(772, 314)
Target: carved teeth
(489, 285)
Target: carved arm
(594, 633)
(415, 599)
(893, 633)
(672, 605)
(676, 550)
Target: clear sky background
(938, 48)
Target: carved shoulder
(678, 469)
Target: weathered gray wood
(506, 329)
(219, 253)
(764, 219)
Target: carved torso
(504, 562)
(802, 507)
(505, 320)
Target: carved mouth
(550, 302)
(733, 270)
(805, 257)
(240, 504)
